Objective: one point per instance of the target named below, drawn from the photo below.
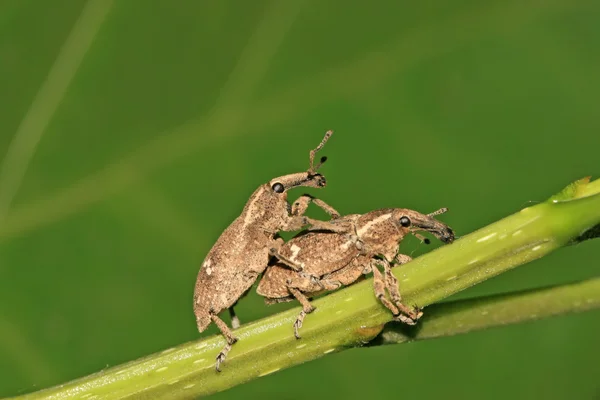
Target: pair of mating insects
(325, 256)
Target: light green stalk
(463, 316)
(353, 316)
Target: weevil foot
(418, 312)
(298, 324)
(220, 359)
(300, 319)
(405, 319)
(409, 317)
(223, 353)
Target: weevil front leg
(226, 332)
(391, 283)
(297, 222)
(274, 252)
(300, 206)
(379, 288)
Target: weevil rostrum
(243, 250)
(328, 260)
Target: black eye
(277, 187)
(405, 222)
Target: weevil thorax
(268, 208)
(380, 233)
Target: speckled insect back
(243, 250)
(328, 260)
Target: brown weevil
(243, 250)
(328, 260)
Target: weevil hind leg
(228, 335)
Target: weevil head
(310, 178)
(268, 207)
(282, 184)
(413, 222)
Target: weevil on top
(328, 260)
(243, 250)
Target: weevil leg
(298, 222)
(391, 283)
(379, 288)
(235, 321)
(307, 308)
(402, 259)
(311, 284)
(334, 226)
(226, 332)
(350, 273)
(278, 300)
(274, 252)
(326, 207)
(299, 206)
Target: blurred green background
(139, 129)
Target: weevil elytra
(328, 260)
(243, 250)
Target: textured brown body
(240, 254)
(243, 250)
(330, 260)
(316, 253)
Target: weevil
(328, 260)
(243, 250)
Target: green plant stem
(463, 316)
(352, 316)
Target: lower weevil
(329, 260)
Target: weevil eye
(278, 187)
(405, 222)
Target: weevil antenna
(438, 212)
(314, 169)
(422, 238)
(323, 159)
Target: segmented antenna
(438, 212)
(312, 168)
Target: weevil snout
(446, 235)
(415, 221)
(441, 231)
(306, 179)
(319, 180)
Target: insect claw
(220, 359)
(405, 319)
(298, 322)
